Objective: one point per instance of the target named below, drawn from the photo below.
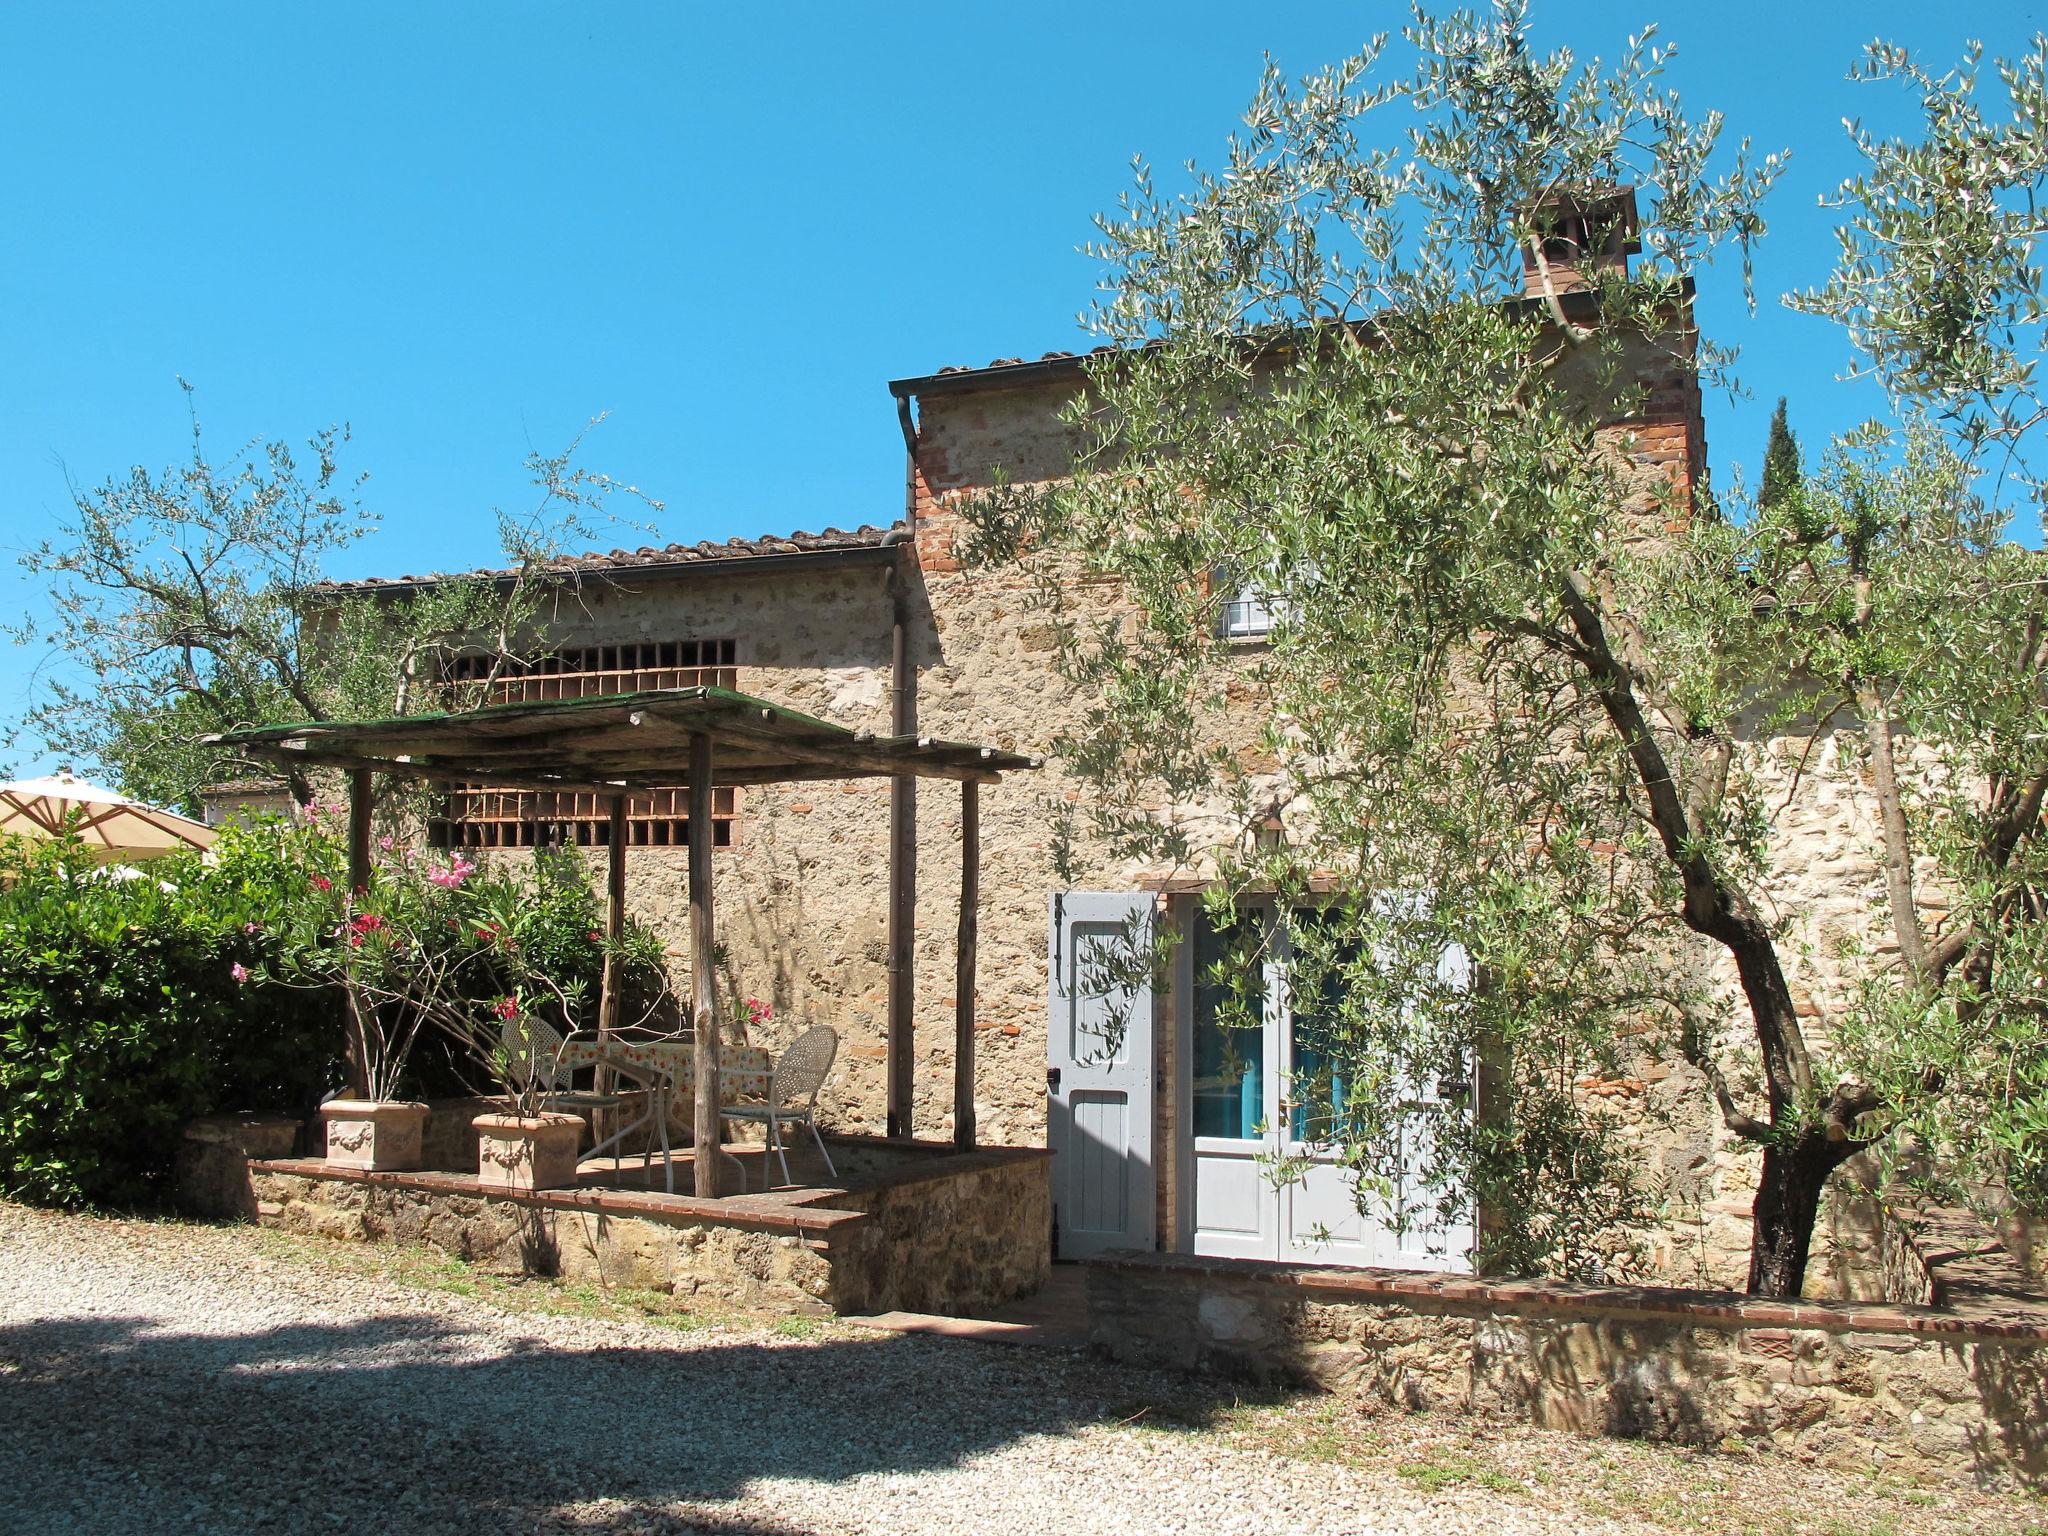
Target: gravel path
(158, 1377)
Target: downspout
(902, 801)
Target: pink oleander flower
(507, 1008)
(758, 1012)
(458, 870)
(387, 842)
(239, 971)
(252, 927)
(322, 883)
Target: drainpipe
(902, 805)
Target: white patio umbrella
(116, 828)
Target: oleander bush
(136, 998)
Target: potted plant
(526, 1145)
(516, 932)
(360, 944)
(452, 947)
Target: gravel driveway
(158, 1377)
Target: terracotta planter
(364, 1133)
(527, 1151)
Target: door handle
(1052, 1081)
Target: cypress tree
(1781, 462)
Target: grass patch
(1439, 1473)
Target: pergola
(698, 739)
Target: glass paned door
(1233, 1057)
(1230, 1076)
(1265, 1085)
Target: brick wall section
(1855, 1386)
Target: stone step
(986, 1330)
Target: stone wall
(975, 1229)
(802, 892)
(1848, 1385)
(914, 1228)
(212, 1162)
(609, 1241)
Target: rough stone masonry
(802, 889)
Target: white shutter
(1099, 1071)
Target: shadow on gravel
(393, 1424)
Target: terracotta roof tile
(647, 556)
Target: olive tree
(1521, 699)
(199, 599)
(1934, 622)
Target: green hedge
(121, 1015)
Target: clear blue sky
(465, 229)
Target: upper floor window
(1245, 615)
(1252, 609)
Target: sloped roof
(653, 558)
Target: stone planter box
(527, 1151)
(382, 1134)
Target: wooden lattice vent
(483, 816)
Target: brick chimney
(1582, 231)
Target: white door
(1233, 1065)
(1241, 1127)
(1428, 1237)
(1099, 1072)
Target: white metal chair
(793, 1087)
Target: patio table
(664, 1067)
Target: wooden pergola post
(902, 937)
(703, 969)
(360, 798)
(614, 915)
(902, 962)
(614, 932)
(963, 974)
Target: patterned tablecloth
(742, 1072)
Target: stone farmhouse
(837, 901)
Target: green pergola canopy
(615, 742)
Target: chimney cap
(1607, 203)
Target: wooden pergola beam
(594, 777)
(635, 737)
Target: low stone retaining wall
(915, 1227)
(1848, 1384)
(213, 1162)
